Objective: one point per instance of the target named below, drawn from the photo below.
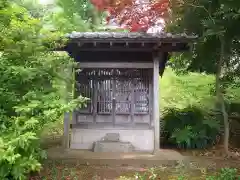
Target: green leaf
(214, 124)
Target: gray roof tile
(127, 35)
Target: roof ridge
(142, 35)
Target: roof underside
(123, 41)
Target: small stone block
(103, 146)
(112, 137)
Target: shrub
(190, 127)
(29, 97)
(183, 90)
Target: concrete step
(135, 159)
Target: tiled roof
(129, 36)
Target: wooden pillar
(66, 137)
(70, 89)
(156, 110)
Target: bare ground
(170, 164)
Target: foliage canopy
(213, 21)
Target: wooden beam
(109, 126)
(162, 49)
(156, 111)
(115, 65)
(130, 47)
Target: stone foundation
(141, 139)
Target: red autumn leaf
(108, 18)
(134, 27)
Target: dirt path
(76, 170)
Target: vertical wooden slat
(95, 96)
(143, 92)
(105, 103)
(98, 99)
(101, 90)
(106, 93)
(132, 101)
(150, 101)
(114, 100)
(101, 96)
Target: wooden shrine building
(120, 76)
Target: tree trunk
(220, 97)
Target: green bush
(190, 127)
(182, 90)
(29, 96)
